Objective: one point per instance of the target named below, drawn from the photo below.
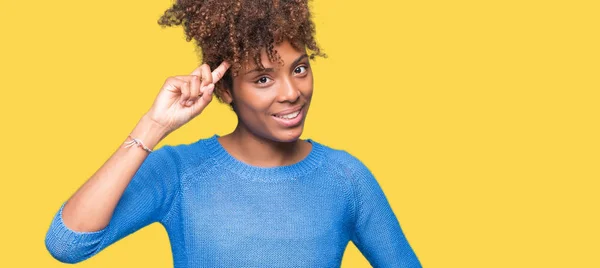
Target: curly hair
(237, 31)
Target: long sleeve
(377, 232)
(146, 199)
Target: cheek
(307, 87)
(255, 103)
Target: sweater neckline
(288, 172)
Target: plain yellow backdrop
(478, 118)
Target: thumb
(209, 92)
(205, 99)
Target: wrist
(149, 132)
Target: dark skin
(240, 31)
(258, 138)
(247, 34)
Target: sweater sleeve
(146, 199)
(377, 232)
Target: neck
(259, 151)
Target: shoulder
(177, 156)
(354, 171)
(199, 149)
(188, 155)
(345, 162)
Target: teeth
(289, 116)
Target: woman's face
(273, 103)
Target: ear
(226, 92)
(227, 95)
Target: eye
(262, 80)
(300, 70)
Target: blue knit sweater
(221, 212)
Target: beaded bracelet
(138, 142)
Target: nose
(288, 91)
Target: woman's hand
(184, 97)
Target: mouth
(289, 114)
(290, 119)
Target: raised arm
(377, 233)
(131, 190)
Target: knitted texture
(221, 212)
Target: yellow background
(478, 118)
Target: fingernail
(189, 103)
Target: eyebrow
(272, 69)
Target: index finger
(219, 72)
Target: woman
(257, 197)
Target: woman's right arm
(133, 188)
(92, 206)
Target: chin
(288, 135)
(288, 131)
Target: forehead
(286, 51)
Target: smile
(290, 120)
(289, 116)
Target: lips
(292, 122)
(289, 111)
